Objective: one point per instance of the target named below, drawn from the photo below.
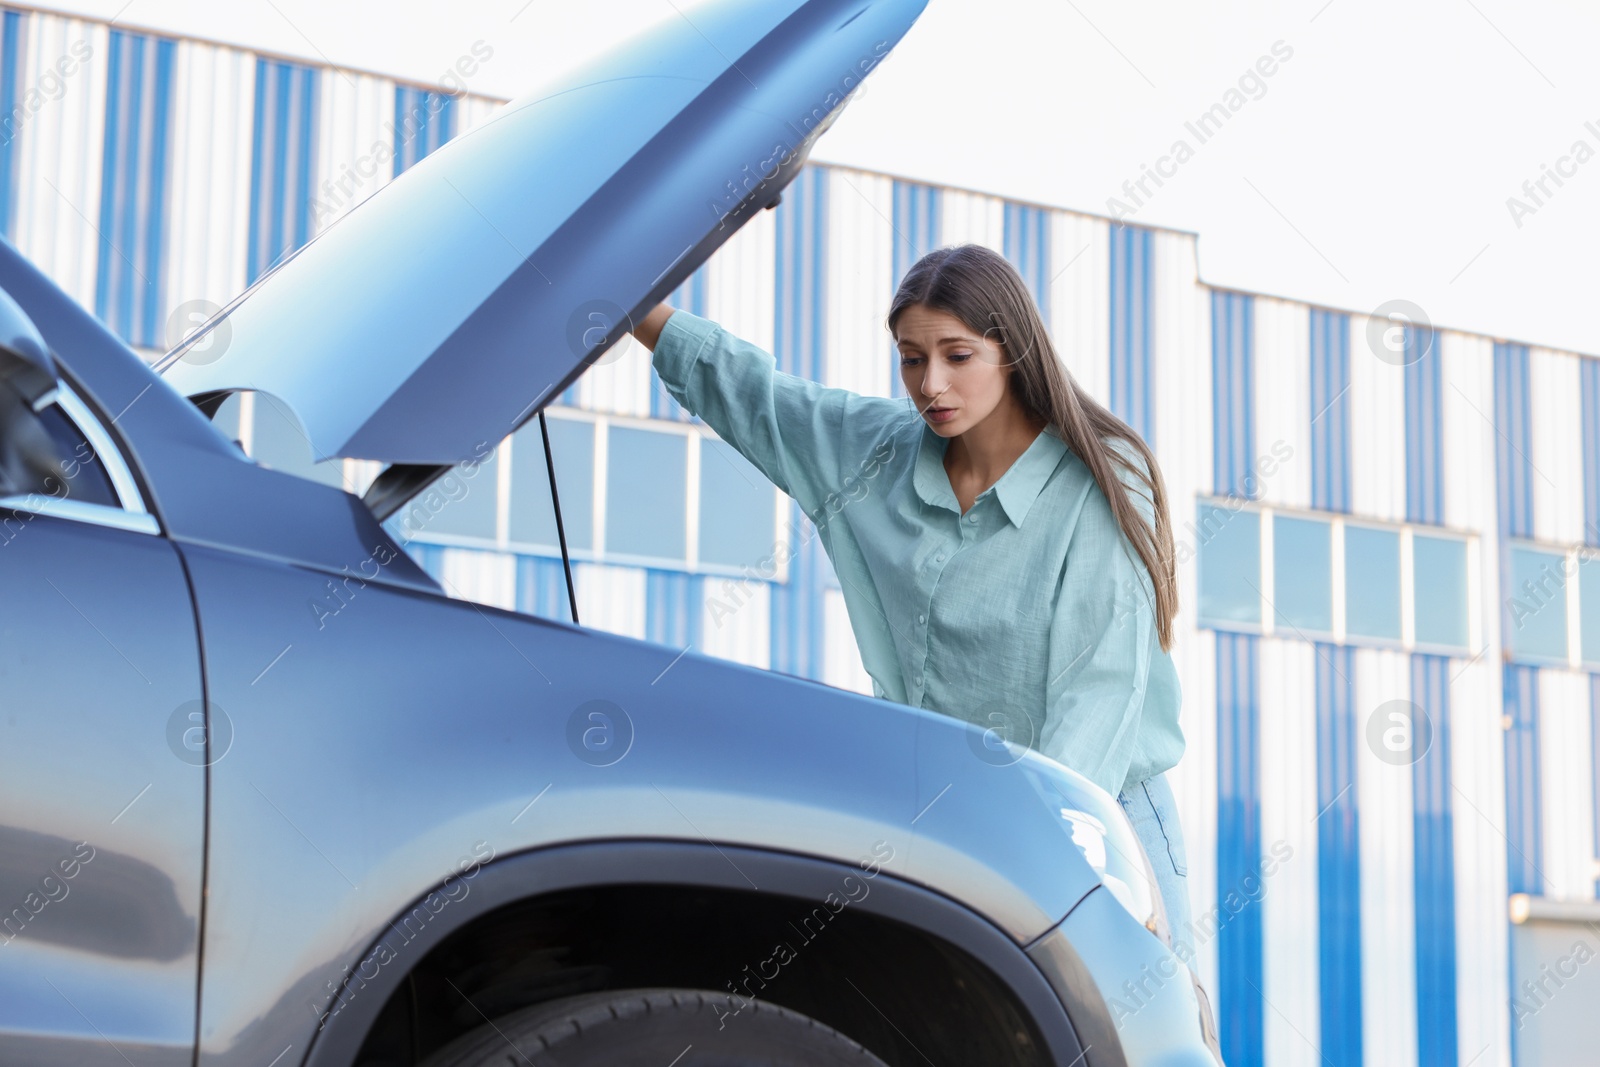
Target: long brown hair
(981, 288)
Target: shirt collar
(1017, 488)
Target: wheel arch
(725, 872)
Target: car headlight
(1100, 830)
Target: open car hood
(447, 308)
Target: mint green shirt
(1030, 614)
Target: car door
(103, 757)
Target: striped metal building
(1390, 628)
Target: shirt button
(922, 618)
(972, 518)
(939, 558)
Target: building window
(1372, 582)
(1302, 574)
(646, 490)
(1439, 583)
(1230, 566)
(532, 518)
(1551, 605)
(1589, 606)
(1331, 578)
(736, 510)
(463, 502)
(1536, 619)
(631, 477)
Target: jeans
(1154, 815)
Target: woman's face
(954, 376)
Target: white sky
(1376, 165)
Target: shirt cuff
(683, 338)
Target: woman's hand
(648, 332)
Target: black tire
(648, 1028)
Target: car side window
(99, 486)
(87, 480)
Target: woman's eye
(958, 357)
(908, 361)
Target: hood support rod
(561, 530)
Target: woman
(1004, 556)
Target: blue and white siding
(355, 145)
(1557, 480)
(1027, 246)
(742, 281)
(1131, 361)
(135, 180)
(1338, 920)
(213, 156)
(1407, 958)
(1589, 436)
(1477, 739)
(1328, 414)
(916, 224)
(672, 605)
(1524, 833)
(612, 597)
(860, 353)
(283, 165)
(1318, 475)
(1423, 433)
(1080, 299)
(59, 153)
(472, 111)
(1520, 692)
(1433, 864)
(1432, 794)
(1566, 765)
(1288, 731)
(542, 588)
(1283, 414)
(1388, 913)
(1240, 949)
(1235, 918)
(1483, 1021)
(1377, 407)
(972, 218)
(424, 119)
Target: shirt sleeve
(791, 428)
(1102, 641)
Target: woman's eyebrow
(941, 341)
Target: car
(272, 797)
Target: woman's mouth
(941, 414)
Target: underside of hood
(445, 310)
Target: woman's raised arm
(797, 432)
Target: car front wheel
(653, 1028)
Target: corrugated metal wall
(1349, 896)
